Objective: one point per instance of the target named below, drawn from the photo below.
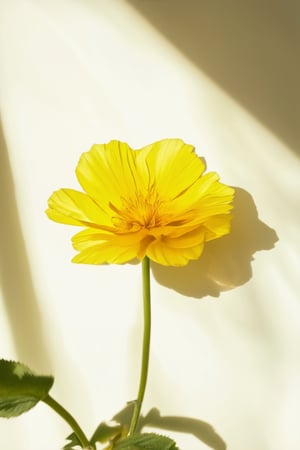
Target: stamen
(138, 212)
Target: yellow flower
(153, 202)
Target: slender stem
(146, 344)
(61, 411)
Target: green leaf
(74, 441)
(104, 433)
(146, 441)
(20, 389)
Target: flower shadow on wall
(225, 263)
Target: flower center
(138, 212)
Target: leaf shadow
(225, 262)
(201, 430)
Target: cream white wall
(226, 330)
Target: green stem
(146, 345)
(61, 411)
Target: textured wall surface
(225, 361)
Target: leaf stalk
(62, 412)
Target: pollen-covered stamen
(138, 212)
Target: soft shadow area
(250, 48)
(198, 428)
(18, 291)
(225, 262)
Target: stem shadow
(201, 430)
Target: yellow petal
(104, 247)
(177, 251)
(205, 197)
(188, 240)
(217, 226)
(162, 253)
(91, 236)
(105, 253)
(75, 208)
(107, 173)
(173, 231)
(173, 166)
(61, 218)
